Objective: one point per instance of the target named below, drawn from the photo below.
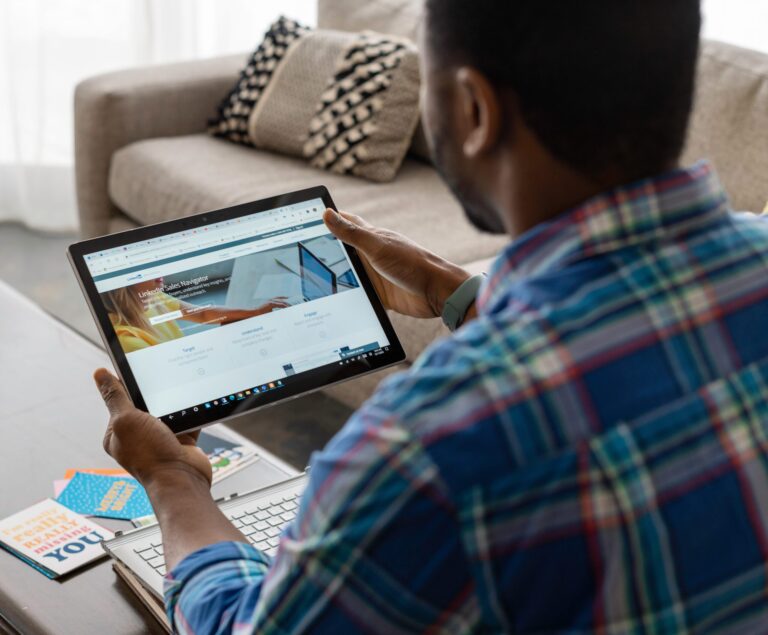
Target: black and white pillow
(346, 102)
(351, 106)
(235, 111)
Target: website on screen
(214, 311)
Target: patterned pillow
(234, 112)
(346, 102)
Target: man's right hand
(408, 278)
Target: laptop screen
(317, 280)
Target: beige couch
(142, 155)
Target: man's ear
(481, 109)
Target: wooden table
(53, 419)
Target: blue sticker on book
(106, 496)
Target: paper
(106, 496)
(144, 521)
(226, 462)
(209, 443)
(95, 470)
(53, 539)
(59, 485)
(226, 457)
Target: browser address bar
(190, 245)
(207, 243)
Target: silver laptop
(260, 515)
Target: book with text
(53, 539)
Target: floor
(36, 264)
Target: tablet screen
(235, 310)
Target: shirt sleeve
(376, 548)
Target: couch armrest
(117, 109)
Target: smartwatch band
(457, 306)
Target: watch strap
(456, 307)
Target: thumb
(112, 392)
(352, 233)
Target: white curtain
(740, 22)
(48, 46)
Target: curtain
(740, 22)
(48, 46)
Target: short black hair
(604, 84)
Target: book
(61, 483)
(53, 539)
(106, 496)
(150, 602)
(104, 471)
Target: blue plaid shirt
(588, 456)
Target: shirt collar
(649, 210)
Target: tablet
(212, 316)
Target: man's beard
(480, 215)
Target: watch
(457, 306)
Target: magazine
(53, 539)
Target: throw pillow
(397, 17)
(346, 102)
(234, 112)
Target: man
(588, 452)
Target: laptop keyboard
(260, 522)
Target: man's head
(576, 95)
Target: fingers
(112, 392)
(350, 229)
(274, 304)
(189, 438)
(353, 218)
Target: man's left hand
(143, 444)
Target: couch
(142, 154)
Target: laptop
(260, 515)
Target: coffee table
(53, 419)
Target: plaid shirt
(590, 455)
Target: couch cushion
(730, 122)
(160, 179)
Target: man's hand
(175, 473)
(142, 444)
(409, 279)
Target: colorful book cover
(53, 539)
(104, 471)
(105, 496)
(60, 484)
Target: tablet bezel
(298, 385)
